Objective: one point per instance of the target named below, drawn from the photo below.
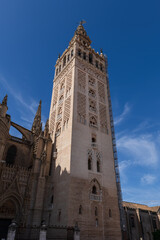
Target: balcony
(95, 197)
(93, 125)
(94, 145)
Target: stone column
(11, 231)
(43, 231)
(76, 232)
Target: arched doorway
(7, 214)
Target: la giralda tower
(84, 167)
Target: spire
(4, 102)
(3, 107)
(37, 125)
(46, 129)
(81, 35)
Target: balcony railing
(95, 197)
(94, 145)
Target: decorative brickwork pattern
(103, 117)
(81, 107)
(69, 82)
(52, 121)
(67, 109)
(91, 81)
(101, 91)
(55, 96)
(81, 80)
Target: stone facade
(141, 221)
(24, 165)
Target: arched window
(64, 61)
(96, 211)
(80, 209)
(56, 71)
(89, 163)
(79, 52)
(98, 166)
(62, 86)
(93, 121)
(59, 110)
(68, 57)
(96, 222)
(61, 99)
(94, 189)
(72, 53)
(96, 64)
(59, 68)
(92, 93)
(101, 67)
(84, 56)
(91, 81)
(110, 213)
(90, 58)
(93, 138)
(92, 106)
(52, 199)
(58, 129)
(11, 154)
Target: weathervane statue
(82, 22)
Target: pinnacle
(39, 109)
(4, 102)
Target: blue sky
(34, 32)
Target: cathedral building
(65, 178)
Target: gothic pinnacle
(4, 102)
(37, 125)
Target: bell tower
(85, 189)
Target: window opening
(90, 58)
(101, 67)
(132, 221)
(93, 122)
(84, 56)
(64, 61)
(98, 166)
(110, 213)
(79, 52)
(94, 190)
(89, 163)
(80, 209)
(92, 93)
(72, 53)
(96, 211)
(11, 154)
(96, 222)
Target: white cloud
(142, 149)
(148, 179)
(123, 165)
(122, 116)
(30, 105)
